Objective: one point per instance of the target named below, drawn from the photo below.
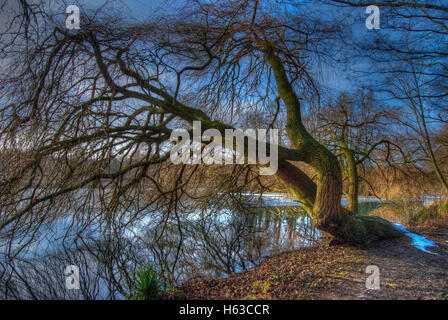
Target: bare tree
(359, 131)
(90, 113)
(413, 65)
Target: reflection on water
(218, 241)
(418, 241)
(366, 204)
(225, 236)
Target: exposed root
(363, 230)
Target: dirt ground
(339, 272)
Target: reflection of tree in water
(278, 229)
(106, 266)
(225, 235)
(230, 236)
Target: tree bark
(352, 177)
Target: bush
(147, 284)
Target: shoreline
(337, 272)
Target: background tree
(359, 131)
(410, 57)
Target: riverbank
(338, 272)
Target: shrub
(147, 284)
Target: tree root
(363, 229)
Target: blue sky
(138, 9)
(333, 76)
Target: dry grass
(413, 214)
(301, 274)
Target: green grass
(147, 284)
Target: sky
(333, 76)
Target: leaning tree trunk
(323, 202)
(352, 177)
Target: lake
(225, 236)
